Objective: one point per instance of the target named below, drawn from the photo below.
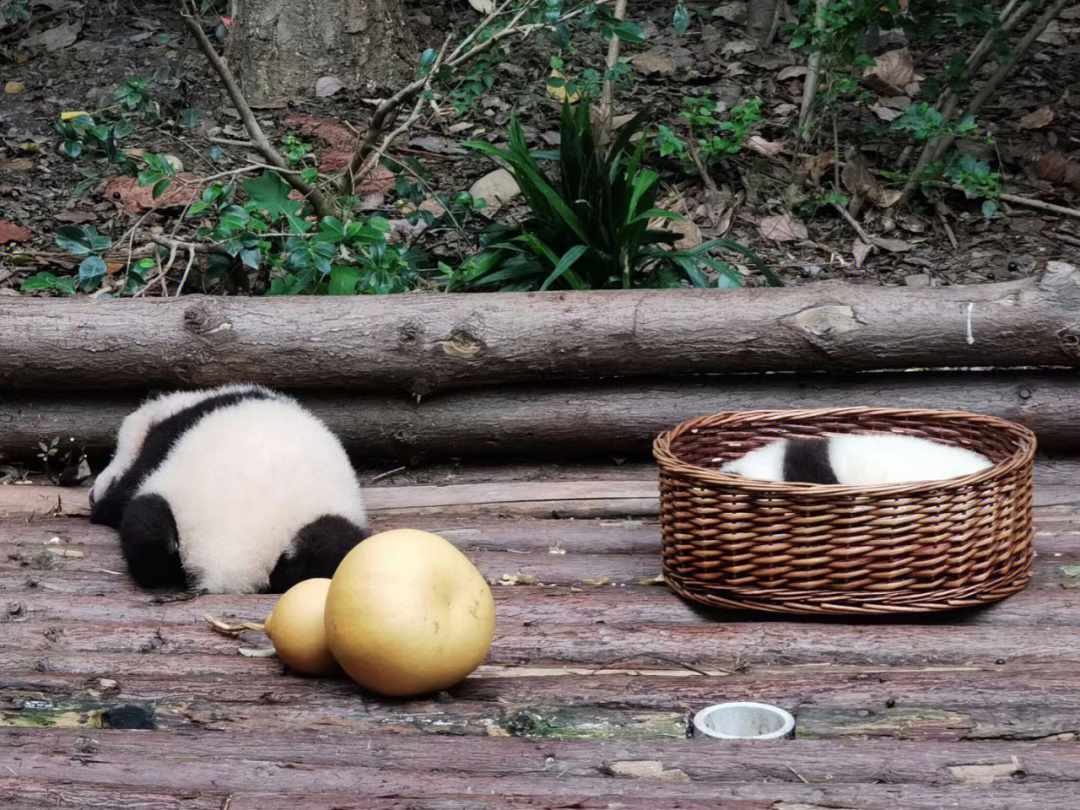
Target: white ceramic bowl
(744, 721)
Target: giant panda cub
(857, 459)
(231, 489)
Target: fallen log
(425, 343)
(614, 418)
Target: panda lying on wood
(857, 459)
(232, 489)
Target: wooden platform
(117, 698)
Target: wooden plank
(24, 794)
(67, 567)
(721, 645)
(1050, 604)
(559, 499)
(32, 794)
(1054, 533)
(480, 533)
(607, 498)
(958, 703)
(864, 774)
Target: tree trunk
(760, 15)
(426, 343)
(280, 48)
(584, 420)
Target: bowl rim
(786, 728)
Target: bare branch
(935, 149)
(323, 205)
(608, 99)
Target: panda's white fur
(868, 459)
(241, 482)
(133, 430)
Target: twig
(457, 58)
(38, 19)
(813, 75)
(706, 178)
(947, 101)
(771, 35)
(1040, 205)
(232, 629)
(323, 205)
(948, 231)
(608, 96)
(935, 149)
(389, 139)
(1068, 239)
(862, 234)
(187, 269)
(387, 474)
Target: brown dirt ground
(121, 39)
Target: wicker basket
(734, 542)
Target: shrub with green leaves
(590, 225)
(86, 242)
(268, 233)
(717, 139)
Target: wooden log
(613, 418)
(868, 774)
(426, 343)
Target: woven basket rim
(1023, 452)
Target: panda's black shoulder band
(807, 461)
(159, 439)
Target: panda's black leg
(315, 552)
(149, 541)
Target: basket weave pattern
(734, 542)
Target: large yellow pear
(407, 613)
(297, 628)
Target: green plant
(295, 149)
(85, 241)
(133, 95)
(591, 81)
(590, 227)
(158, 173)
(717, 139)
(15, 11)
(976, 180)
(335, 258)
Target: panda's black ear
(149, 541)
(316, 551)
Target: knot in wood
(1069, 341)
(822, 324)
(204, 321)
(410, 335)
(462, 344)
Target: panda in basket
(857, 459)
(231, 489)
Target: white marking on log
(970, 336)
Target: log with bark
(425, 343)
(615, 418)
